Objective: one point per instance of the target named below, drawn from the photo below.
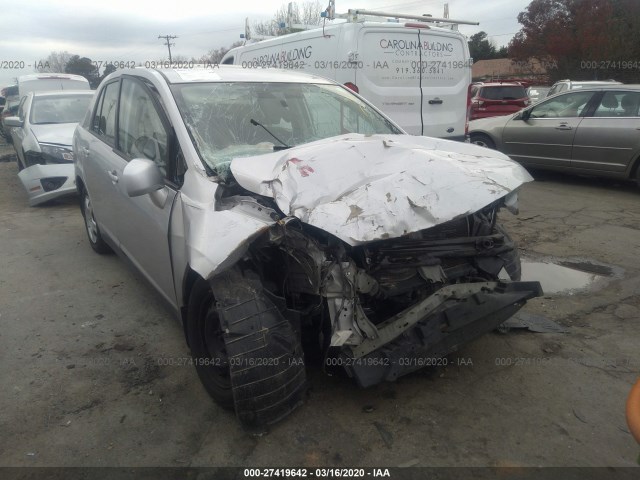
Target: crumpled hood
(58, 133)
(364, 188)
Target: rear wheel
(91, 226)
(482, 140)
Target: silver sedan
(282, 216)
(593, 131)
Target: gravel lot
(94, 367)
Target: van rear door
(418, 76)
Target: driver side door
(546, 137)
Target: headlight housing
(56, 153)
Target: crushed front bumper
(46, 182)
(435, 327)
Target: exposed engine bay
(373, 309)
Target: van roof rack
(352, 16)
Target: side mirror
(13, 122)
(523, 115)
(141, 176)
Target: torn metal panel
(209, 240)
(46, 182)
(438, 327)
(358, 189)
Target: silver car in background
(593, 131)
(275, 210)
(42, 133)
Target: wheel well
(79, 185)
(635, 171)
(190, 278)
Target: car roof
(46, 76)
(57, 93)
(605, 87)
(224, 73)
(499, 84)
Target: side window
(104, 120)
(618, 104)
(141, 131)
(565, 106)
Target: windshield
(59, 109)
(225, 119)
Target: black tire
(482, 140)
(205, 337)
(91, 226)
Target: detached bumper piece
(264, 351)
(435, 327)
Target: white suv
(564, 85)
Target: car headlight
(56, 154)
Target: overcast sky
(127, 30)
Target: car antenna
(256, 123)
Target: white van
(40, 82)
(418, 73)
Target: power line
(168, 43)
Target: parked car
(566, 85)
(271, 207)
(537, 93)
(44, 82)
(42, 133)
(496, 99)
(588, 131)
(11, 101)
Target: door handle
(435, 101)
(85, 151)
(113, 175)
(564, 126)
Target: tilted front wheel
(208, 349)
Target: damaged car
(279, 213)
(41, 132)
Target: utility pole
(168, 43)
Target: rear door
(609, 140)
(546, 137)
(417, 76)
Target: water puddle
(567, 276)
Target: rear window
(59, 109)
(503, 93)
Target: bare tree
(56, 62)
(214, 56)
(306, 13)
